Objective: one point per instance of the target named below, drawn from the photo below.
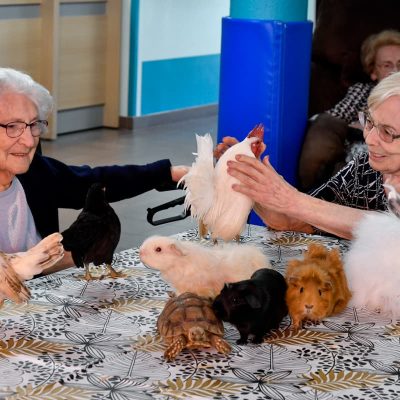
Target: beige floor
(175, 141)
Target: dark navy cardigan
(49, 185)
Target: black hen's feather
(95, 234)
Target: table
(97, 340)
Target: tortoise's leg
(175, 347)
(220, 344)
(112, 273)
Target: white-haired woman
(340, 203)
(33, 187)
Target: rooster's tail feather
(199, 181)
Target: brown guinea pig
(317, 285)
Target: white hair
(387, 87)
(14, 81)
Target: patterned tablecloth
(97, 340)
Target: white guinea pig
(192, 267)
(372, 265)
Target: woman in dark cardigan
(33, 187)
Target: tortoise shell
(186, 311)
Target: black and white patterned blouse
(357, 185)
(354, 101)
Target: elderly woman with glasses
(333, 136)
(357, 189)
(33, 187)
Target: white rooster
(209, 191)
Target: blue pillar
(265, 69)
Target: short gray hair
(14, 81)
(387, 87)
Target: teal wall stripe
(179, 83)
(283, 10)
(133, 51)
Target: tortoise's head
(198, 337)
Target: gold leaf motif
(393, 330)
(296, 240)
(302, 337)
(32, 347)
(149, 343)
(52, 391)
(334, 381)
(206, 388)
(131, 272)
(128, 305)
(11, 309)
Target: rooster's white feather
(209, 190)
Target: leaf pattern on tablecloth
(29, 347)
(9, 376)
(205, 388)
(104, 322)
(125, 305)
(149, 343)
(334, 381)
(302, 337)
(98, 340)
(10, 309)
(52, 391)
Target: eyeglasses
(385, 133)
(17, 128)
(389, 66)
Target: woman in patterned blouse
(333, 133)
(357, 189)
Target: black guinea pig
(254, 306)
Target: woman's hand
(260, 182)
(178, 171)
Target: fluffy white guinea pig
(192, 267)
(372, 265)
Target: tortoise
(188, 321)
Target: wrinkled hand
(178, 171)
(260, 182)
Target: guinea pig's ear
(252, 301)
(176, 250)
(334, 257)
(327, 286)
(293, 280)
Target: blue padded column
(265, 70)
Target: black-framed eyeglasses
(385, 133)
(17, 128)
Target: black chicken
(95, 234)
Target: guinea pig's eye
(301, 290)
(320, 292)
(158, 249)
